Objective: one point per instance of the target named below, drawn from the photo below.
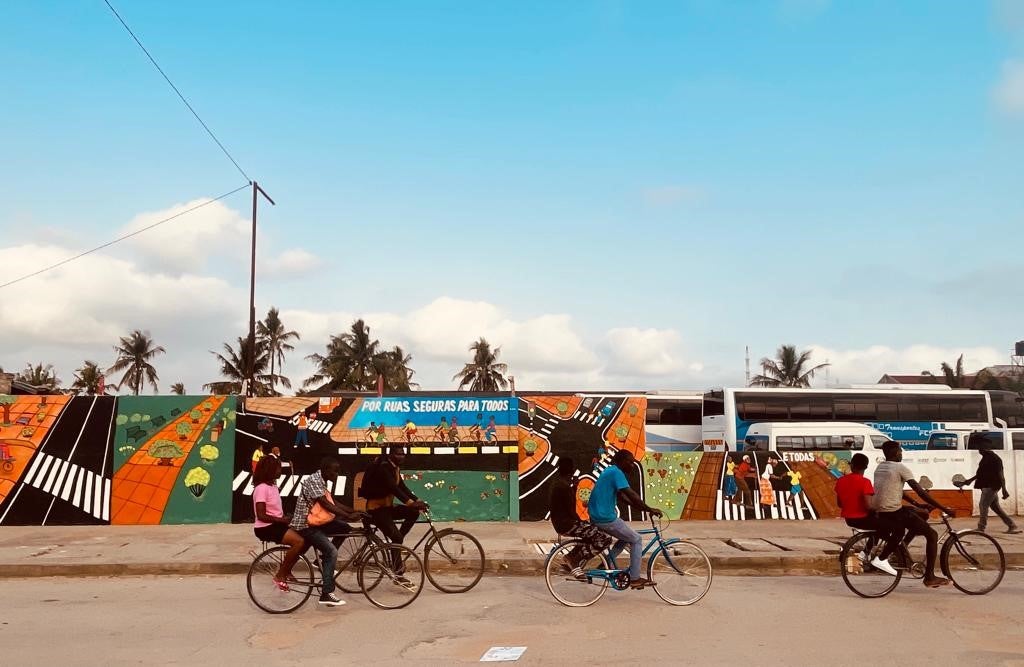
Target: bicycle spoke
(454, 561)
(566, 588)
(859, 575)
(974, 562)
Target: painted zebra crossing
(315, 425)
(595, 418)
(796, 509)
(86, 490)
(288, 485)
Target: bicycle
(971, 559)
(680, 569)
(453, 559)
(374, 565)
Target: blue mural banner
(431, 411)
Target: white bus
(812, 436)
(906, 413)
(673, 420)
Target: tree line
(353, 361)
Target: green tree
(955, 378)
(88, 379)
(195, 416)
(165, 450)
(273, 337)
(245, 363)
(789, 368)
(484, 372)
(393, 366)
(178, 388)
(134, 354)
(183, 429)
(42, 376)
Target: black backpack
(374, 484)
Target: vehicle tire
(681, 572)
(858, 574)
(973, 561)
(349, 557)
(567, 589)
(266, 594)
(385, 587)
(454, 561)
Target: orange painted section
(24, 439)
(141, 486)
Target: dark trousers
(384, 518)
(990, 500)
(915, 523)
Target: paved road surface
(756, 621)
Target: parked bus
(812, 436)
(673, 421)
(907, 414)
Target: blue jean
(626, 536)
(301, 438)
(317, 537)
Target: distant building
(8, 385)
(999, 371)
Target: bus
(812, 436)
(673, 421)
(908, 414)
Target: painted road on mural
(125, 621)
(68, 479)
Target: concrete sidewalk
(736, 547)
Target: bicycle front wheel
(454, 561)
(391, 576)
(349, 556)
(681, 572)
(267, 594)
(567, 589)
(860, 576)
(973, 561)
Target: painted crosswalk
(86, 490)
(315, 425)
(794, 508)
(289, 485)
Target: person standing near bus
(990, 481)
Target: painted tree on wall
(166, 451)
(6, 401)
(134, 354)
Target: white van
(812, 437)
(997, 439)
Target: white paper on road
(503, 654)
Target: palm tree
(88, 379)
(484, 373)
(44, 377)
(954, 377)
(271, 333)
(393, 366)
(134, 353)
(352, 361)
(248, 363)
(787, 369)
(178, 388)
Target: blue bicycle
(680, 570)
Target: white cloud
(1009, 91)
(666, 196)
(644, 352)
(292, 263)
(867, 365)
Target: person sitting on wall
(566, 521)
(382, 485)
(603, 509)
(271, 523)
(855, 495)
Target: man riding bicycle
(894, 517)
(314, 493)
(382, 484)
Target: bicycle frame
(618, 577)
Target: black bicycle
(389, 575)
(971, 559)
(453, 559)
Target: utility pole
(256, 189)
(747, 384)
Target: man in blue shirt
(603, 510)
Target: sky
(619, 195)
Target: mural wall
(468, 443)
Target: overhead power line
(122, 238)
(175, 88)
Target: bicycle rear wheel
(349, 552)
(567, 589)
(860, 576)
(265, 592)
(454, 561)
(681, 571)
(384, 584)
(973, 561)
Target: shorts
(272, 533)
(796, 489)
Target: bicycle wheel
(682, 572)
(858, 573)
(265, 592)
(349, 555)
(567, 589)
(454, 561)
(385, 585)
(973, 561)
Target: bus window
(1018, 441)
(985, 441)
(820, 442)
(942, 441)
(714, 403)
(756, 443)
(909, 409)
(855, 409)
(653, 416)
(876, 440)
(790, 442)
(887, 408)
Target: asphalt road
(754, 621)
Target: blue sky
(643, 187)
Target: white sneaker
(883, 565)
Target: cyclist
(313, 492)
(271, 523)
(409, 430)
(441, 430)
(382, 484)
(854, 495)
(371, 432)
(603, 504)
(566, 522)
(453, 432)
(491, 432)
(893, 516)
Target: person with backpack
(382, 486)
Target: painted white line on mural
(238, 430)
(539, 485)
(490, 450)
(48, 468)
(289, 484)
(348, 451)
(239, 480)
(97, 499)
(79, 483)
(444, 450)
(69, 483)
(106, 500)
(85, 422)
(34, 468)
(87, 495)
(55, 472)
